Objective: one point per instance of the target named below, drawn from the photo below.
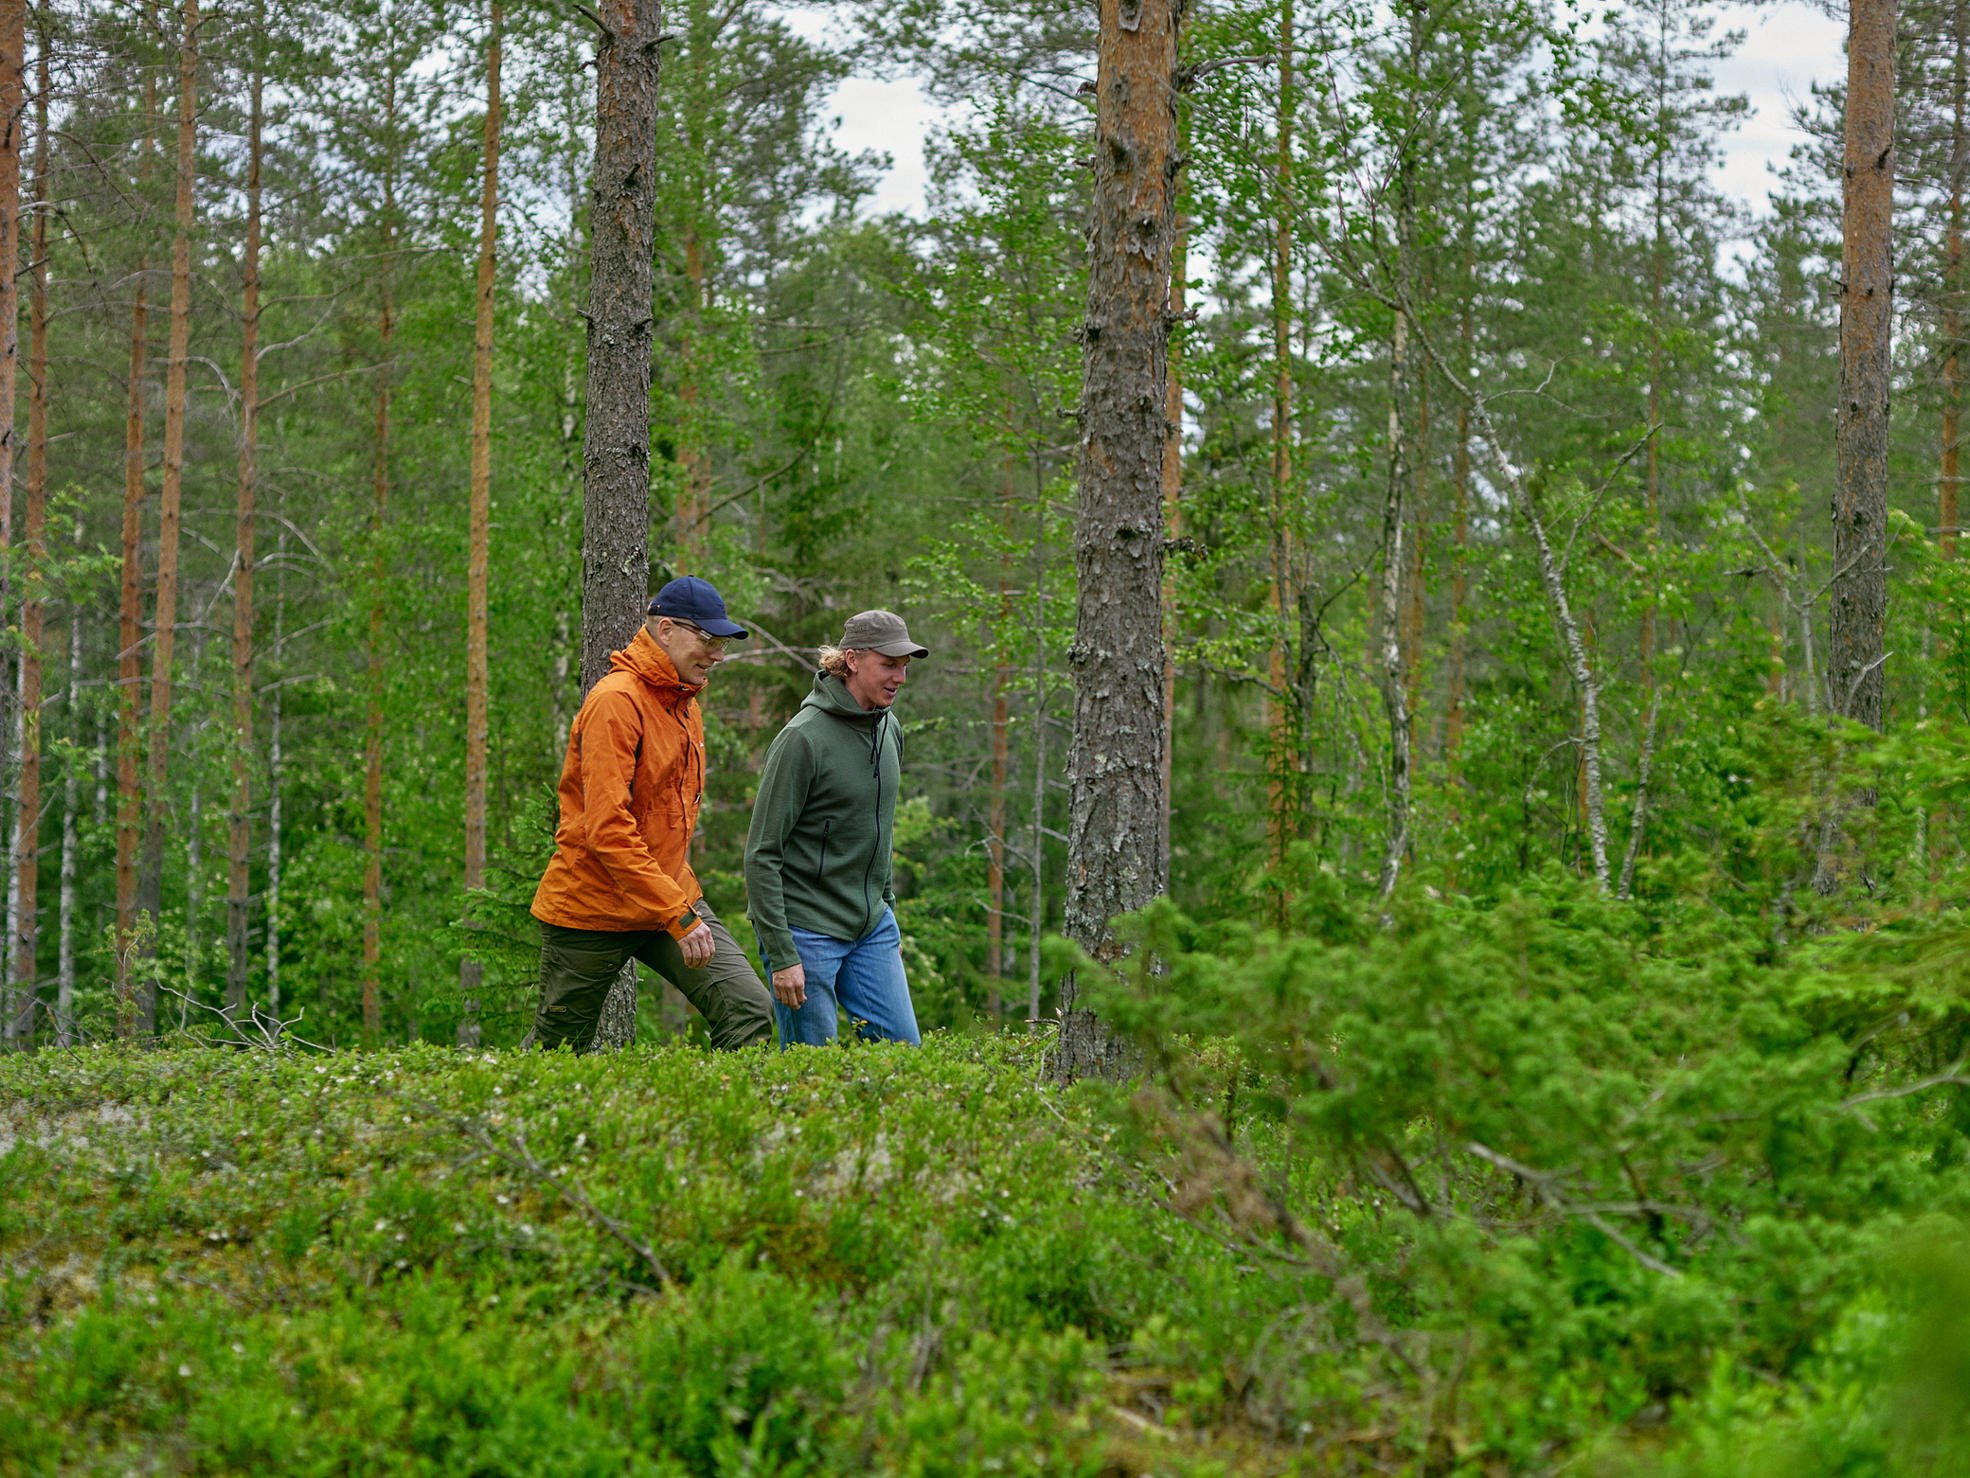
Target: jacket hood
(645, 659)
(830, 694)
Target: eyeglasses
(712, 644)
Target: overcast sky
(1787, 47)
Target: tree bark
(477, 674)
(616, 450)
(995, 827)
(130, 1007)
(386, 324)
(13, 125)
(170, 499)
(1395, 702)
(275, 736)
(239, 873)
(27, 840)
(1281, 803)
(1115, 765)
(1395, 688)
(71, 834)
(1173, 485)
(1860, 505)
(1949, 485)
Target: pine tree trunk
(1115, 764)
(1860, 507)
(170, 499)
(239, 874)
(386, 324)
(477, 676)
(616, 453)
(1857, 630)
(131, 1014)
(27, 842)
(1281, 803)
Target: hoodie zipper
(826, 827)
(868, 873)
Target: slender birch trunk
(1402, 376)
(275, 735)
(13, 127)
(71, 838)
(170, 500)
(27, 836)
(1281, 804)
(1949, 485)
(1036, 917)
(477, 675)
(239, 872)
(995, 828)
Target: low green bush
(1548, 1185)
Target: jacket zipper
(868, 873)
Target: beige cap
(880, 631)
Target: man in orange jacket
(620, 885)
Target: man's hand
(698, 946)
(790, 986)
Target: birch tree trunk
(13, 126)
(1280, 748)
(170, 499)
(1115, 764)
(477, 676)
(1949, 485)
(129, 626)
(1395, 692)
(275, 736)
(616, 450)
(239, 874)
(71, 839)
(27, 841)
(995, 826)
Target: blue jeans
(862, 978)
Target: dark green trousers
(577, 967)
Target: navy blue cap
(688, 598)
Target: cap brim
(901, 649)
(731, 629)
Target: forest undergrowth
(1549, 1186)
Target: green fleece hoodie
(818, 854)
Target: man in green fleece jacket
(818, 856)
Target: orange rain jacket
(630, 790)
